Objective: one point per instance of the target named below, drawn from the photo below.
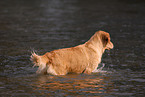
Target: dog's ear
(105, 39)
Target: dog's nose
(111, 45)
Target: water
(45, 25)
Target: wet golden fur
(83, 58)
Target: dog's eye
(106, 39)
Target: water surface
(45, 25)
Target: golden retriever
(83, 58)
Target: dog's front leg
(87, 71)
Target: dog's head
(102, 40)
(105, 38)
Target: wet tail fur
(39, 61)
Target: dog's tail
(39, 61)
(35, 59)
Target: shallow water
(45, 25)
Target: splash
(99, 69)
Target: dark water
(45, 25)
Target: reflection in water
(73, 84)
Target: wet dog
(83, 58)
